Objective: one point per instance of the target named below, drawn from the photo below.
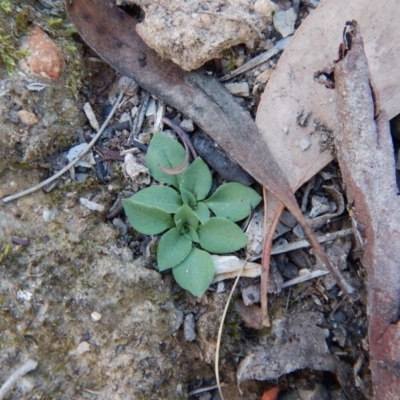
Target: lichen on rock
(191, 32)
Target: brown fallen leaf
(365, 154)
(292, 91)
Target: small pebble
(298, 231)
(87, 108)
(188, 328)
(121, 226)
(91, 205)
(187, 125)
(304, 144)
(27, 118)
(49, 215)
(44, 58)
(221, 287)
(239, 89)
(264, 76)
(284, 21)
(83, 347)
(251, 295)
(96, 316)
(151, 107)
(128, 86)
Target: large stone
(192, 32)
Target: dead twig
(26, 367)
(280, 45)
(72, 163)
(139, 117)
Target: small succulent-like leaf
(172, 249)
(195, 273)
(185, 217)
(191, 234)
(197, 179)
(233, 201)
(168, 153)
(146, 219)
(219, 235)
(202, 212)
(188, 198)
(162, 197)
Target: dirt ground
(80, 292)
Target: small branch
(280, 45)
(72, 163)
(28, 366)
(139, 118)
(284, 248)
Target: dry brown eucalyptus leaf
(296, 108)
(292, 92)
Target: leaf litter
(288, 131)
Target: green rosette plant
(194, 226)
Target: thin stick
(221, 327)
(28, 366)
(280, 45)
(329, 237)
(72, 163)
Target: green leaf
(172, 249)
(168, 153)
(185, 217)
(202, 212)
(146, 219)
(188, 198)
(161, 197)
(191, 234)
(233, 201)
(197, 179)
(195, 273)
(220, 235)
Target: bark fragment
(366, 160)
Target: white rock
(91, 205)
(49, 215)
(251, 294)
(91, 116)
(284, 21)
(264, 76)
(151, 107)
(86, 161)
(96, 316)
(239, 89)
(83, 347)
(304, 144)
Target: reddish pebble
(43, 58)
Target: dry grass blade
(221, 327)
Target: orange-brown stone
(44, 58)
